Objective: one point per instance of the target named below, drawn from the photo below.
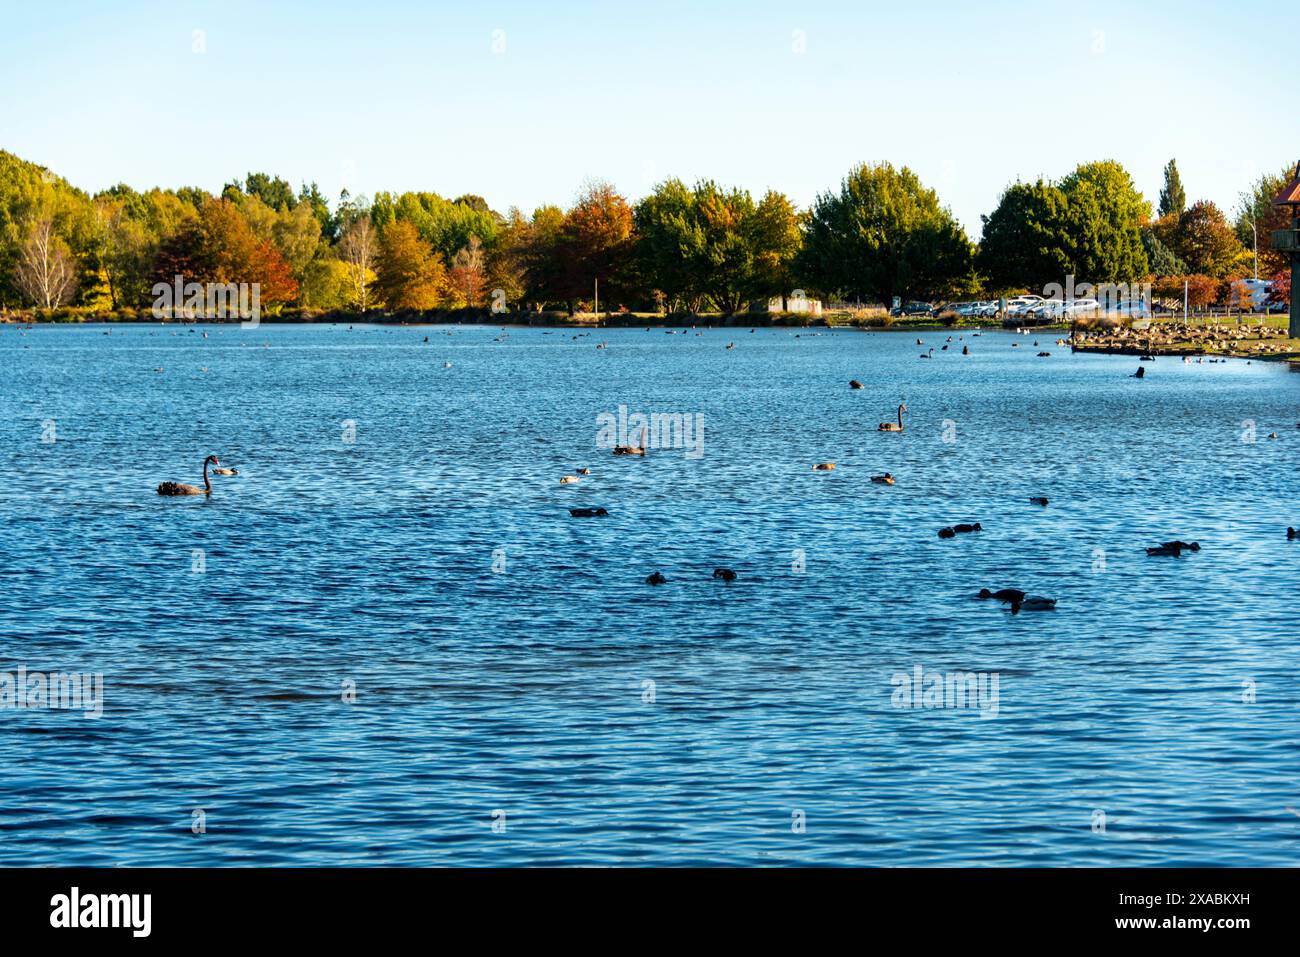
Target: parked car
(1046, 311)
(1021, 304)
(1081, 308)
(912, 309)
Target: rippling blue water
(523, 692)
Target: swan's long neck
(207, 482)
(900, 416)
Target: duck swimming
(656, 578)
(885, 479)
(824, 467)
(855, 384)
(1292, 534)
(1038, 500)
(568, 479)
(725, 574)
(588, 512)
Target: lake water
(523, 697)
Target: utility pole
(1254, 228)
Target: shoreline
(548, 320)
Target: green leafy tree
(884, 234)
(1026, 242)
(296, 234)
(507, 263)
(544, 269)
(1161, 259)
(715, 244)
(275, 192)
(1257, 215)
(1173, 198)
(1104, 212)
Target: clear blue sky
(398, 95)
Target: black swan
(892, 426)
(180, 488)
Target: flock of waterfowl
(1017, 600)
(1176, 338)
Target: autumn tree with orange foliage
(409, 275)
(595, 243)
(219, 246)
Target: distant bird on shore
(892, 426)
(180, 488)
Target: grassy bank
(1256, 337)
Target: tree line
(683, 248)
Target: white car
(1081, 308)
(1021, 305)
